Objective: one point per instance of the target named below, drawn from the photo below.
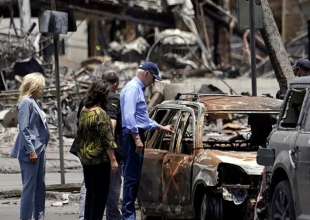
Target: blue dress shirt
(134, 108)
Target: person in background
(30, 145)
(302, 67)
(114, 111)
(135, 121)
(96, 146)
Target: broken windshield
(232, 131)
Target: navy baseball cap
(303, 64)
(152, 68)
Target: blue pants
(132, 173)
(32, 202)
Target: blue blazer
(33, 131)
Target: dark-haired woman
(96, 143)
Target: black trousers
(97, 180)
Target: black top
(113, 109)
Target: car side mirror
(265, 156)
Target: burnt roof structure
(138, 11)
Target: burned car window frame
(155, 137)
(178, 145)
(153, 114)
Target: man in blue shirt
(135, 121)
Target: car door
(157, 146)
(302, 161)
(177, 166)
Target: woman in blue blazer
(30, 147)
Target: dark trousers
(97, 180)
(132, 173)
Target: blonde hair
(31, 85)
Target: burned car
(207, 169)
(285, 190)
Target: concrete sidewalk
(14, 182)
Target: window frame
(191, 112)
(286, 105)
(181, 108)
(305, 114)
(151, 142)
(178, 149)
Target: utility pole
(59, 107)
(59, 110)
(252, 42)
(308, 25)
(25, 15)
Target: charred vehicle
(207, 169)
(285, 189)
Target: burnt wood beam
(116, 11)
(223, 20)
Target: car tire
(211, 208)
(282, 205)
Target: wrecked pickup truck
(207, 169)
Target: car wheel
(211, 207)
(282, 206)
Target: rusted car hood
(245, 160)
(241, 104)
